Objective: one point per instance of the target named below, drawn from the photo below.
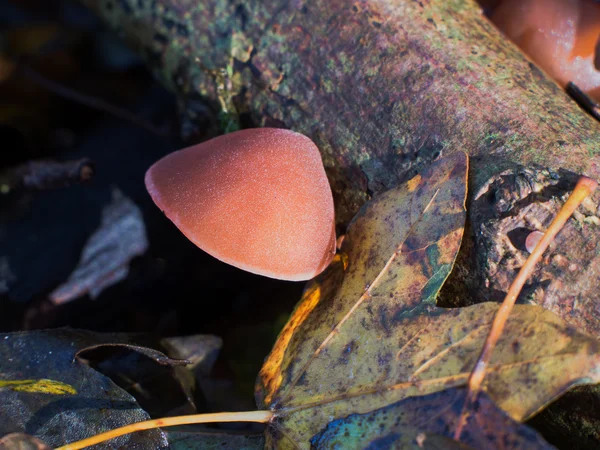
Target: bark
(384, 87)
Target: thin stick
(584, 187)
(583, 100)
(246, 416)
(90, 102)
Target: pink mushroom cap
(559, 35)
(257, 199)
(532, 240)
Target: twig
(246, 416)
(43, 175)
(584, 187)
(583, 100)
(89, 101)
(23, 65)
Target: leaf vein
(363, 297)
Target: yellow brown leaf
(369, 334)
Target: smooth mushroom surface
(561, 36)
(257, 199)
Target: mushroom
(559, 35)
(532, 240)
(257, 199)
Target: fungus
(561, 36)
(532, 240)
(257, 199)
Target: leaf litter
(92, 403)
(367, 333)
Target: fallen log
(384, 87)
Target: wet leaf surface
(98, 406)
(411, 423)
(367, 332)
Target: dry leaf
(107, 253)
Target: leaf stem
(584, 187)
(245, 416)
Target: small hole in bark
(518, 236)
(492, 197)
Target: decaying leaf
(155, 355)
(338, 348)
(99, 405)
(414, 421)
(161, 385)
(107, 253)
(201, 349)
(367, 332)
